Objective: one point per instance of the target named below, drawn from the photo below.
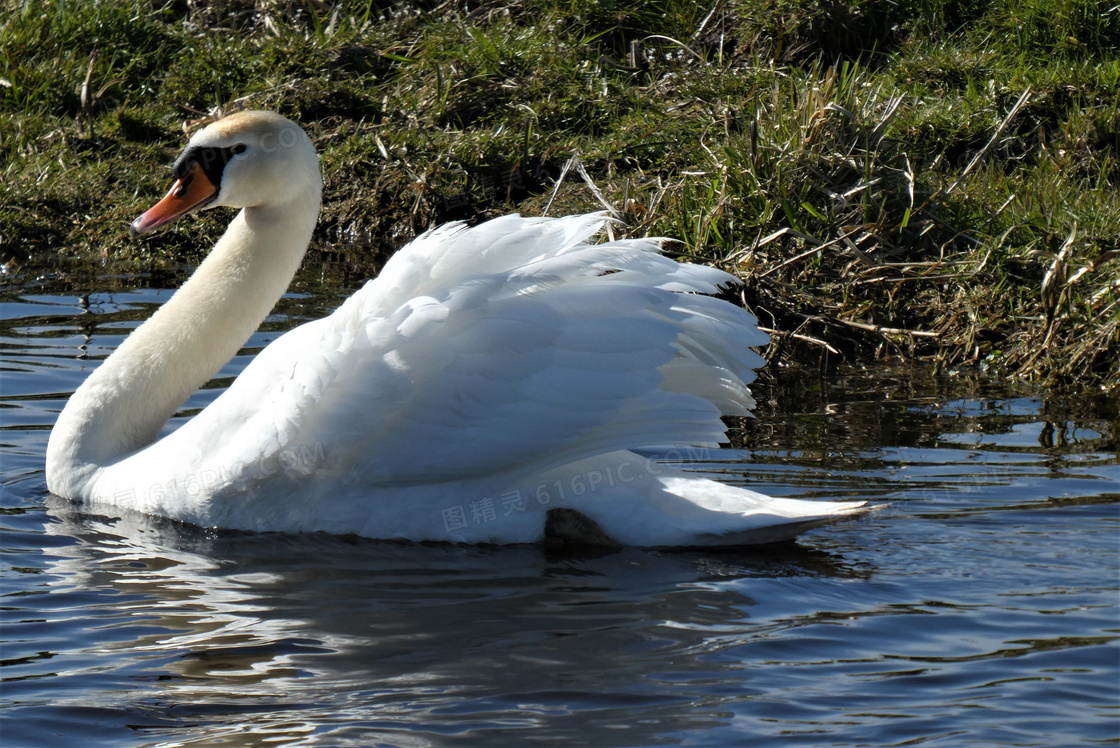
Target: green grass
(861, 164)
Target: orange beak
(188, 193)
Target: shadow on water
(980, 608)
(397, 636)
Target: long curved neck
(125, 402)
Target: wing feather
(513, 347)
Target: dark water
(980, 609)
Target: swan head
(244, 160)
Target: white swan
(491, 384)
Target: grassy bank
(932, 180)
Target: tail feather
(652, 505)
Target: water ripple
(979, 608)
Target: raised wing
(510, 347)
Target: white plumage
(487, 376)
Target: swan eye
(240, 148)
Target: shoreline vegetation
(897, 181)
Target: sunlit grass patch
(931, 180)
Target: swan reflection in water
(403, 637)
